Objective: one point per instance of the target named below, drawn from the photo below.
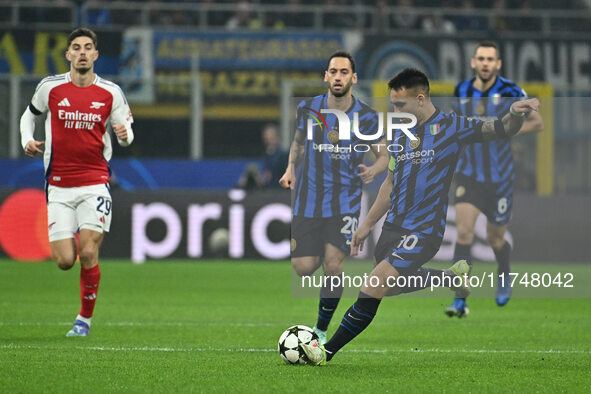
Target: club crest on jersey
(496, 98)
(434, 129)
(480, 109)
(333, 136)
(415, 144)
(96, 105)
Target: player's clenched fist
(120, 131)
(287, 180)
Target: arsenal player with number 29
(77, 152)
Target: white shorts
(70, 209)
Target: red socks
(89, 282)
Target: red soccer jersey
(77, 145)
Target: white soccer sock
(84, 319)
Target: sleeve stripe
(34, 110)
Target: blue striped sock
(329, 300)
(357, 318)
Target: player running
(77, 151)
(414, 195)
(328, 188)
(485, 172)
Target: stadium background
(203, 78)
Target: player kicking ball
(327, 191)
(414, 196)
(78, 148)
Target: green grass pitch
(188, 326)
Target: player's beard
(491, 75)
(83, 70)
(344, 90)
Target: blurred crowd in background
(437, 16)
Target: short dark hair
(410, 78)
(342, 54)
(83, 32)
(488, 44)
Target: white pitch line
(144, 324)
(263, 350)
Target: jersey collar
(353, 103)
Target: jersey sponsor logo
(419, 157)
(337, 152)
(96, 105)
(64, 103)
(79, 120)
(77, 115)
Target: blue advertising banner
(230, 50)
(42, 52)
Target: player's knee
(88, 255)
(495, 241)
(64, 263)
(465, 234)
(333, 268)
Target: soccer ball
(289, 344)
(218, 241)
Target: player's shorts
(494, 200)
(70, 209)
(406, 250)
(310, 235)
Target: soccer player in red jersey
(78, 148)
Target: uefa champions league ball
(289, 344)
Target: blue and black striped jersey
(423, 171)
(489, 162)
(327, 182)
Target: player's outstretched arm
(296, 151)
(512, 122)
(377, 210)
(367, 174)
